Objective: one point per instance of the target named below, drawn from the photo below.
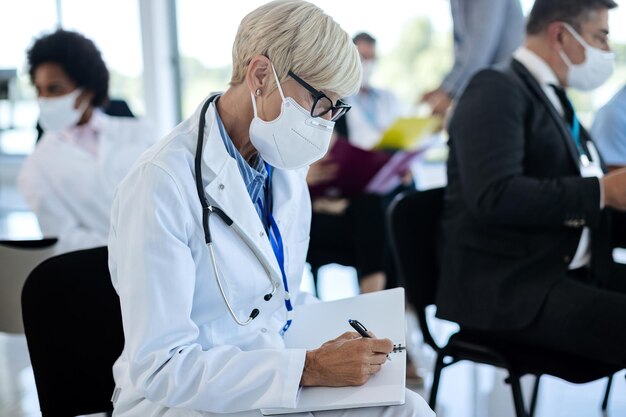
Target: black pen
(356, 325)
(359, 327)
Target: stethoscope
(208, 209)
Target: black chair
(18, 258)
(414, 221)
(73, 327)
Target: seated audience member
(373, 109)
(70, 178)
(609, 131)
(190, 349)
(357, 225)
(530, 215)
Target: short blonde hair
(298, 36)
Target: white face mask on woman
(58, 113)
(594, 71)
(294, 139)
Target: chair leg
(533, 401)
(314, 272)
(518, 399)
(605, 401)
(432, 402)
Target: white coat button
(263, 330)
(261, 234)
(221, 187)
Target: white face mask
(594, 71)
(368, 66)
(58, 113)
(294, 139)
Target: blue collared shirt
(254, 174)
(609, 130)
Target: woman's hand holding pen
(348, 360)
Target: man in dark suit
(530, 215)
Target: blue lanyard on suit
(574, 123)
(584, 159)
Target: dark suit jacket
(515, 205)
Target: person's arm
(488, 136)
(155, 275)
(480, 24)
(53, 215)
(609, 134)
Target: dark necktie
(568, 109)
(569, 115)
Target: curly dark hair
(78, 56)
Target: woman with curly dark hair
(70, 178)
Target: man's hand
(614, 184)
(439, 101)
(348, 360)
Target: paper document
(407, 133)
(381, 313)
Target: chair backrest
(17, 259)
(73, 327)
(414, 220)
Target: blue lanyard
(584, 159)
(276, 240)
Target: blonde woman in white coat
(70, 178)
(203, 324)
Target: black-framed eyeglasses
(321, 103)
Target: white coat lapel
(225, 189)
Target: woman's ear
(84, 99)
(257, 75)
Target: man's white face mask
(594, 71)
(294, 139)
(58, 113)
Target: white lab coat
(182, 347)
(70, 191)
(184, 355)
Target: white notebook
(381, 313)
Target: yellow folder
(407, 133)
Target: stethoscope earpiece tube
(207, 210)
(223, 216)
(198, 170)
